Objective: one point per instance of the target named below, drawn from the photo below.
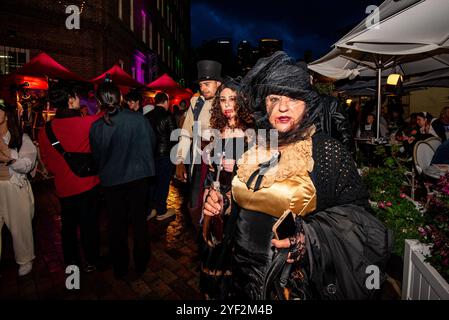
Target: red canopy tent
(38, 70)
(166, 84)
(43, 65)
(28, 83)
(118, 77)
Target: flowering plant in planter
(435, 230)
(390, 204)
(401, 216)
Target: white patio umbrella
(361, 84)
(438, 78)
(412, 37)
(363, 92)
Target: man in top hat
(196, 128)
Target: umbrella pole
(379, 100)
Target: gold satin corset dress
(284, 185)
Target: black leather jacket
(163, 124)
(334, 122)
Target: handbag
(285, 281)
(82, 164)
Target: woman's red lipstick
(283, 119)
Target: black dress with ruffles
(215, 275)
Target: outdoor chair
(434, 142)
(422, 156)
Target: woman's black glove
(297, 242)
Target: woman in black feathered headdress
(279, 75)
(310, 179)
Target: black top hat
(209, 70)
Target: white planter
(420, 280)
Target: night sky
(302, 25)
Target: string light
(81, 6)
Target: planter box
(420, 280)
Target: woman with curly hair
(229, 114)
(229, 121)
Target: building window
(168, 56)
(176, 66)
(139, 67)
(150, 33)
(144, 27)
(146, 73)
(174, 28)
(131, 14)
(120, 9)
(163, 50)
(12, 59)
(152, 66)
(168, 16)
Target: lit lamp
(348, 102)
(394, 78)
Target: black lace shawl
(335, 175)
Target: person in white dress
(17, 159)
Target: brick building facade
(145, 37)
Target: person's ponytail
(109, 96)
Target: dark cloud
(302, 25)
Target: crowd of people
(394, 128)
(252, 151)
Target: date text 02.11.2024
(225, 309)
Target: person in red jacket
(78, 196)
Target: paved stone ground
(172, 273)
